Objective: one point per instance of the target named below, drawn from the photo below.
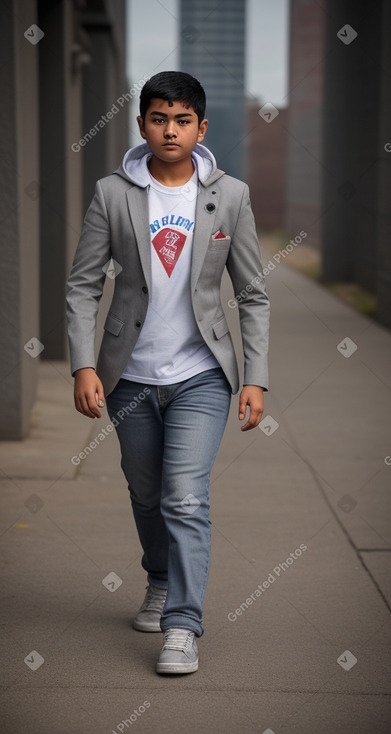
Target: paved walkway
(297, 611)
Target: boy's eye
(161, 119)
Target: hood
(134, 165)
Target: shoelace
(153, 601)
(176, 639)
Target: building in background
(266, 166)
(356, 225)
(212, 49)
(304, 121)
(338, 140)
(63, 69)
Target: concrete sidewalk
(297, 612)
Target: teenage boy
(171, 221)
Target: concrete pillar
(41, 194)
(20, 335)
(368, 108)
(303, 126)
(383, 233)
(265, 168)
(77, 54)
(61, 168)
(104, 82)
(350, 122)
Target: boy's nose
(169, 131)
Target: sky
(153, 45)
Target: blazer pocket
(220, 328)
(221, 243)
(113, 324)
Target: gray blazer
(117, 225)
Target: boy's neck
(171, 174)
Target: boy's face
(171, 132)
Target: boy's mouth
(166, 145)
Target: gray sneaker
(148, 616)
(179, 653)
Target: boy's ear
(141, 126)
(203, 126)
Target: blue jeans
(169, 437)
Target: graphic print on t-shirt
(168, 244)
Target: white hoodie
(170, 347)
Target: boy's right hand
(88, 392)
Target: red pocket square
(219, 235)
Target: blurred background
(298, 102)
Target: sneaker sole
(140, 627)
(171, 668)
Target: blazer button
(138, 323)
(144, 289)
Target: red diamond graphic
(168, 244)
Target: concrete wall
(383, 215)
(304, 121)
(104, 81)
(42, 200)
(356, 182)
(350, 120)
(54, 72)
(266, 167)
(19, 218)
(338, 171)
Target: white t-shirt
(170, 347)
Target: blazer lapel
(138, 211)
(204, 227)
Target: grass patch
(307, 259)
(356, 296)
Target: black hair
(174, 86)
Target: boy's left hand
(252, 396)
